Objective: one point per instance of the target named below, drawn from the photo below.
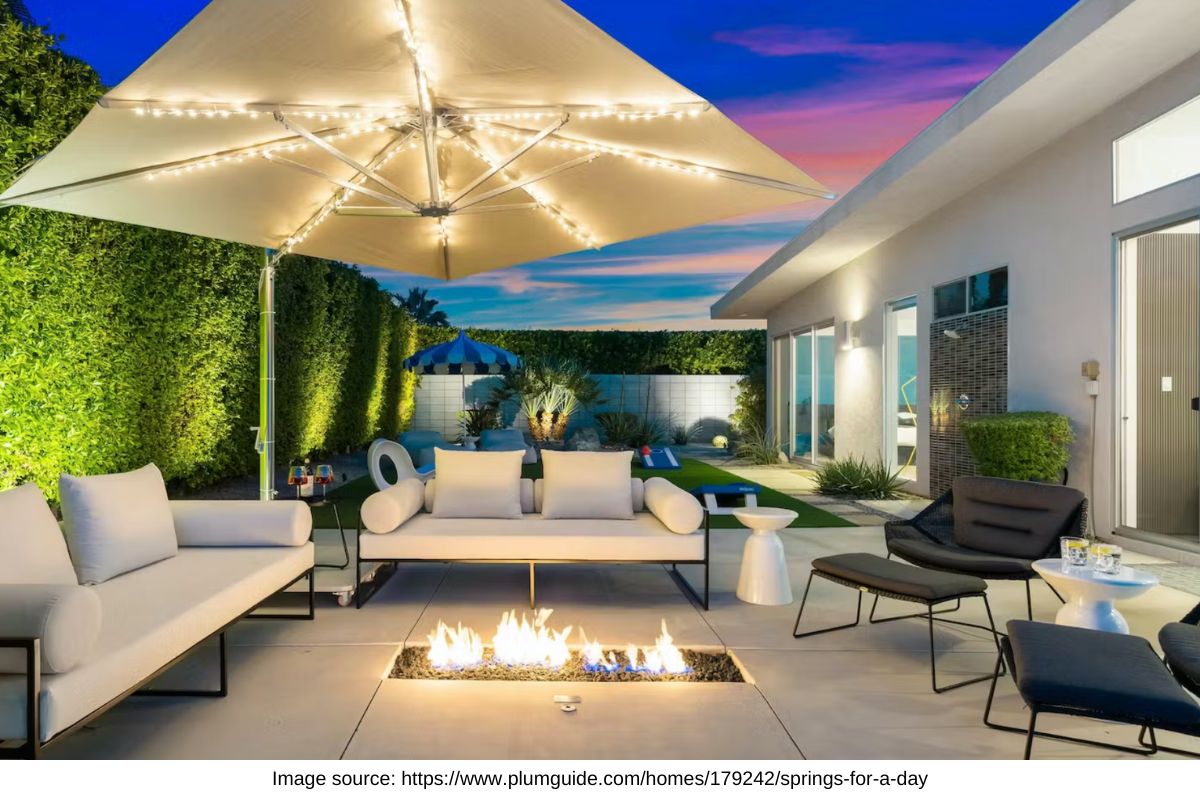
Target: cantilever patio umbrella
(441, 137)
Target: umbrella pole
(266, 387)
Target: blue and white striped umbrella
(462, 356)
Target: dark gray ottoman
(894, 579)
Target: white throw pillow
(117, 523)
(587, 485)
(390, 508)
(678, 510)
(474, 484)
(32, 548)
(66, 617)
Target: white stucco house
(1048, 219)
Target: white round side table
(764, 577)
(1090, 594)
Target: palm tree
(422, 307)
(19, 11)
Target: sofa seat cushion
(533, 538)
(954, 558)
(1180, 643)
(1096, 672)
(149, 617)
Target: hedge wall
(121, 345)
(628, 352)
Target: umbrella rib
(345, 184)
(619, 110)
(257, 149)
(504, 162)
(361, 169)
(429, 118)
(338, 197)
(656, 159)
(575, 162)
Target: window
(1161, 152)
(950, 300)
(982, 291)
(804, 399)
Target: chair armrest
(241, 523)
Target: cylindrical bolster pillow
(241, 523)
(674, 507)
(66, 617)
(385, 511)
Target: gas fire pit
(528, 650)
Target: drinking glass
(1074, 551)
(1106, 558)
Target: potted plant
(1021, 445)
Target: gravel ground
(413, 664)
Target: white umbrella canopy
(440, 137)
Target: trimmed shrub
(856, 477)
(1021, 445)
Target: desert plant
(549, 392)
(757, 446)
(649, 430)
(620, 427)
(856, 477)
(1021, 445)
(549, 412)
(682, 434)
(476, 419)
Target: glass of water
(1106, 558)
(1074, 551)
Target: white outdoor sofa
(232, 556)
(533, 539)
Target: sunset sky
(836, 87)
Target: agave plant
(856, 477)
(476, 419)
(756, 445)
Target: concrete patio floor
(317, 689)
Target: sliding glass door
(811, 434)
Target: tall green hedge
(121, 345)
(628, 352)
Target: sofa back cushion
(637, 489)
(475, 484)
(32, 548)
(506, 439)
(587, 485)
(1019, 519)
(66, 617)
(117, 523)
(527, 498)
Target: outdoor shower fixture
(950, 333)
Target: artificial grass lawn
(692, 473)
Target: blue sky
(836, 87)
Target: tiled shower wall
(703, 400)
(975, 365)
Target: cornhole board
(711, 494)
(659, 458)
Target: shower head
(952, 334)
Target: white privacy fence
(705, 401)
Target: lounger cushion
(960, 559)
(422, 446)
(675, 508)
(32, 548)
(505, 439)
(149, 617)
(587, 485)
(871, 571)
(66, 617)
(116, 523)
(534, 538)
(473, 484)
(388, 509)
(1096, 672)
(241, 523)
(1180, 643)
(1012, 518)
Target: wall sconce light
(850, 335)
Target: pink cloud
(518, 281)
(884, 95)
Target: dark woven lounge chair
(1113, 677)
(990, 528)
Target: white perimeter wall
(1052, 221)
(707, 400)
